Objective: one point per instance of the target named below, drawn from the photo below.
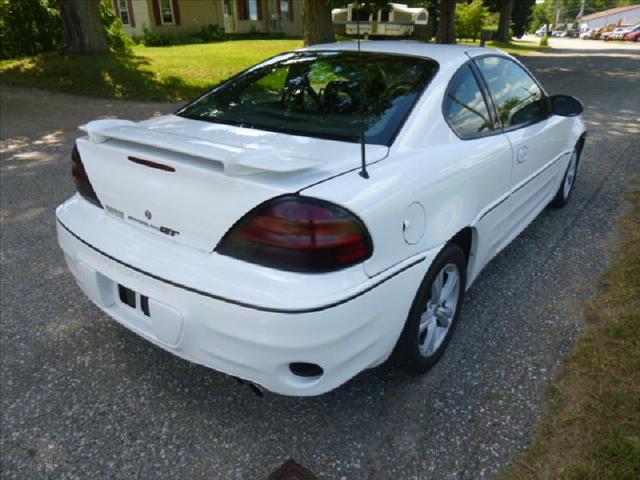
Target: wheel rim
(440, 310)
(571, 175)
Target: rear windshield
(322, 94)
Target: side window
(464, 107)
(518, 98)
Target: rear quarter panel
(453, 180)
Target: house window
(166, 12)
(284, 9)
(123, 8)
(249, 10)
(227, 7)
(253, 9)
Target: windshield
(323, 94)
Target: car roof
(443, 54)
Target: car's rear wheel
(434, 312)
(568, 181)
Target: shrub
(544, 41)
(152, 39)
(116, 39)
(28, 27)
(210, 33)
(470, 18)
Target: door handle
(523, 154)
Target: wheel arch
(580, 143)
(467, 239)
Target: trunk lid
(190, 181)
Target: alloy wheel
(439, 310)
(571, 175)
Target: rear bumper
(350, 332)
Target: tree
(521, 16)
(317, 22)
(539, 16)
(82, 27)
(446, 22)
(469, 19)
(504, 24)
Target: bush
(116, 39)
(544, 41)
(152, 39)
(469, 19)
(28, 27)
(210, 33)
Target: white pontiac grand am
(320, 212)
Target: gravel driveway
(83, 398)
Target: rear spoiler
(236, 161)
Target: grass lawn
(592, 429)
(516, 47)
(150, 73)
(156, 73)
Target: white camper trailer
(398, 20)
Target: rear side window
(464, 107)
(519, 99)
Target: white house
(622, 15)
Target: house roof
(607, 13)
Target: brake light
(299, 234)
(83, 185)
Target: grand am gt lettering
(148, 215)
(283, 265)
(161, 229)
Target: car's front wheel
(434, 312)
(568, 181)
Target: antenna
(363, 159)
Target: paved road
(587, 46)
(83, 398)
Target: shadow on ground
(101, 75)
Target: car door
(466, 108)
(536, 138)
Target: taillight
(83, 184)
(300, 234)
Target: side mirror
(565, 106)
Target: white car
(320, 212)
(613, 34)
(587, 34)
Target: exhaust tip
(306, 370)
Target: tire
(568, 181)
(414, 351)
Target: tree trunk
(317, 22)
(506, 7)
(83, 29)
(446, 22)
